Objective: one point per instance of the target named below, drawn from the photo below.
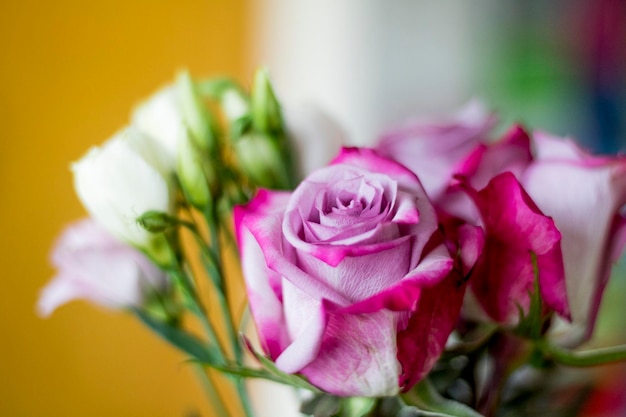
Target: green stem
(587, 358)
(197, 309)
(226, 308)
(425, 397)
(215, 399)
(212, 253)
(215, 252)
(244, 372)
(242, 391)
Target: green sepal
(182, 340)
(160, 251)
(531, 325)
(214, 88)
(196, 174)
(196, 115)
(357, 406)
(426, 398)
(266, 113)
(156, 221)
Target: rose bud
(160, 118)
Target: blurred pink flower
(432, 149)
(555, 183)
(95, 266)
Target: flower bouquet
(443, 272)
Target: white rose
(160, 118)
(122, 179)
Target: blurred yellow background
(70, 72)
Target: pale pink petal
(264, 295)
(358, 277)
(585, 200)
(370, 161)
(305, 347)
(59, 291)
(95, 266)
(403, 295)
(433, 150)
(510, 154)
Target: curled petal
(515, 230)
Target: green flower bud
(261, 159)
(235, 104)
(156, 221)
(197, 176)
(236, 107)
(195, 114)
(266, 114)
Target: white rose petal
(119, 181)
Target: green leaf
(184, 341)
(426, 398)
(322, 405)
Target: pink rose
(95, 266)
(432, 149)
(349, 280)
(583, 195)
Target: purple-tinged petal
(516, 229)
(403, 295)
(263, 217)
(95, 266)
(359, 277)
(357, 356)
(371, 161)
(58, 292)
(433, 150)
(511, 154)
